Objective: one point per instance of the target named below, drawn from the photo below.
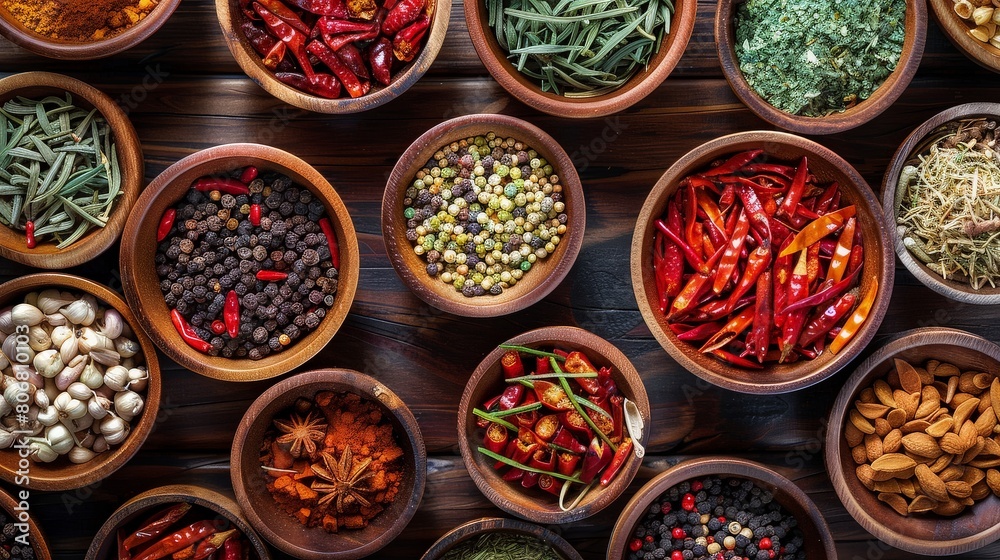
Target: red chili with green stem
(188, 334)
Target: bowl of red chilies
(761, 262)
(551, 424)
(182, 522)
(334, 56)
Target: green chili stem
(579, 409)
(513, 463)
(517, 410)
(533, 352)
(488, 416)
(551, 375)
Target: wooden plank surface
(195, 96)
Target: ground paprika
(72, 20)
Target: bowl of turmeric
(328, 464)
(82, 30)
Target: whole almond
(909, 379)
(867, 395)
(973, 452)
(995, 396)
(896, 417)
(984, 404)
(927, 408)
(964, 411)
(953, 444)
(907, 488)
(986, 422)
(925, 376)
(861, 423)
(940, 427)
(945, 369)
(921, 504)
(888, 486)
(965, 383)
(866, 475)
(931, 484)
(942, 462)
(985, 463)
(883, 392)
(982, 381)
(960, 398)
(931, 366)
(968, 433)
(882, 427)
(908, 402)
(990, 447)
(993, 480)
(980, 490)
(952, 389)
(853, 434)
(873, 447)
(920, 443)
(950, 508)
(872, 411)
(959, 489)
(893, 463)
(952, 472)
(892, 441)
(895, 501)
(915, 426)
(860, 454)
(972, 475)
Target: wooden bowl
(37, 85)
(957, 31)
(879, 101)
(283, 531)
(819, 544)
(544, 275)
(478, 527)
(61, 474)
(827, 166)
(487, 381)
(141, 507)
(230, 17)
(529, 92)
(954, 289)
(8, 502)
(142, 286)
(37, 43)
(930, 534)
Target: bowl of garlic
(80, 386)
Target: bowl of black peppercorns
(243, 261)
(704, 507)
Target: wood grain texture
(196, 96)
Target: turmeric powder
(79, 21)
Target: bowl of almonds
(913, 446)
(972, 26)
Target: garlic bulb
(138, 378)
(114, 429)
(48, 363)
(112, 324)
(117, 378)
(48, 416)
(49, 301)
(92, 376)
(38, 338)
(42, 451)
(26, 314)
(98, 406)
(69, 407)
(80, 312)
(11, 393)
(128, 405)
(80, 455)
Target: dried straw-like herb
(58, 168)
(580, 48)
(948, 202)
(502, 546)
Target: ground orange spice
(338, 422)
(79, 20)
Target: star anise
(302, 433)
(340, 480)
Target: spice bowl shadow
(35, 537)
(543, 277)
(818, 542)
(16, 32)
(529, 92)
(141, 507)
(878, 262)
(142, 285)
(37, 85)
(477, 528)
(281, 529)
(231, 17)
(915, 143)
(957, 31)
(487, 381)
(885, 95)
(61, 474)
(928, 534)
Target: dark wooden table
(184, 93)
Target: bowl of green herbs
(70, 169)
(599, 58)
(819, 66)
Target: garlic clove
(26, 314)
(41, 399)
(126, 347)
(138, 378)
(41, 451)
(49, 416)
(69, 349)
(114, 429)
(38, 338)
(59, 438)
(117, 378)
(60, 334)
(80, 312)
(7, 439)
(92, 375)
(71, 373)
(78, 424)
(106, 357)
(51, 300)
(4, 362)
(7, 325)
(80, 391)
(100, 444)
(56, 320)
(128, 404)
(48, 363)
(80, 455)
(17, 352)
(85, 438)
(112, 324)
(69, 407)
(99, 406)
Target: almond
(882, 427)
(985, 463)
(867, 395)
(995, 396)
(925, 376)
(866, 475)
(915, 426)
(931, 484)
(859, 454)
(853, 434)
(952, 472)
(964, 411)
(922, 444)
(959, 489)
(968, 433)
(909, 379)
(888, 486)
(884, 393)
(861, 423)
(986, 422)
(952, 389)
(949, 508)
(873, 447)
(945, 369)
(972, 475)
(893, 440)
(895, 501)
(942, 462)
(993, 480)
(965, 383)
(980, 490)
(893, 463)
(953, 444)
(872, 411)
(908, 402)
(921, 504)
(990, 447)
(931, 366)
(973, 451)
(927, 408)
(907, 488)
(982, 381)
(896, 417)
(984, 404)
(940, 427)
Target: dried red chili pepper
(231, 314)
(731, 256)
(763, 317)
(166, 223)
(322, 85)
(328, 57)
(798, 288)
(818, 229)
(254, 214)
(331, 240)
(351, 56)
(280, 10)
(187, 333)
(221, 184)
(403, 13)
(406, 43)
(218, 327)
(271, 275)
(621, 455)
(210, 545)
(755, 212)
(496, 438)
(295, 39)
(179, 540)
(758, 260)
(842, 252)
(794, 194)
(577, 362)
(29, 234)
(335, 8)
(155, 525)
(729, 331)
(824, 322)
(733, 164)
(261, 41)
(735, 360)
(249, 173)
(274, 56)
(699, 333)
(233, 550)
(380, 60)
(853, 325)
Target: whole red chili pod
(331, 240)
(402, 14)
(380, 60)
(231, 314)
(29, 234)
(156, 525)
(188, 334)
(166, 223)
(249, 174)
(406, 43)
(218, 327)
(323, 85)
(271, 276)
(255, 214)
(221, 184)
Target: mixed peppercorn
(761, 248)
(168, 534)
(248, 264)
(716, 519)
(483, 211)
(357, 40)
(13, 541)
(533, 428)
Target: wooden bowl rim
(45, 255)
(955, 28)
(176, 493)
(106, 463)
(634, 90)
(160, 329)
(880, 100)
(39, 44)
(484, 525)
(335, 379)
(724, 467)
(832, 446)
(536, 284)
(599, 350)
(8, 502)
(641, 274)
(253, 67)
(952, 289)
